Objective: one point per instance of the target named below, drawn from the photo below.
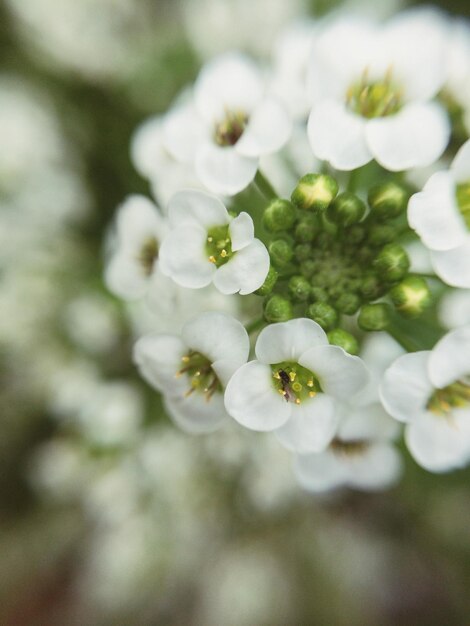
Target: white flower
(205, 244)
(430, 392)
(458, 79)
(360, 456)
(294, 385)
(193, 370)
(227, 125)
(454, 308)
(440, 214)
(132, 267)
(371, 87)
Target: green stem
(255, 325)
(353, 181)
(264, 186)
(408, 344)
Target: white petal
(245, 272)
(460, 167)
(338, 136)
(340, 374)
(437, 443)
(137, 220)
(125, 277)
(319, 472)
(406, 387)
(218, 337)
(196, 207)
(454, 308)
(183, 132)
(146, 146)
(414, 137)
(223, 170)
(434, 215)
(242, 231)
(287, 341)
(251, 398)
(367, 422)
(194, 414)
(379, 467)
(453, 266)
(268, 129)
(158, 358)
(312, 425)
(230, 82)
(449, 360)
(183, 258)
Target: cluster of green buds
(333, 257)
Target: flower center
(348, 448)
(202, 377)
(454, 396)
(230, 129)
(219, 245)
(294, 382)
(147, 255)
(463, 202)
(374, 98)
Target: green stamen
(454, 396)
(294, 382)
(148, 254)
(378, 98)
(348, 448)
(219, 245)
(463, 202)
(229, 130)
(202, 377)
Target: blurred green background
(169, 530)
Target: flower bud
(380, 234)
(302, 252)
(268, 284)
(411, 297)
(299, 288)
(356, 234)
(348, 303)
(346, 209)
(279, 216)
(281, 252)
(392, 262)
(278, 309)
(323, 314)
(308, 268)
(374, 316)
(371, 287)
(343, 339)
(387, 200)
(314, 192)
(318, 294)
(307, 228)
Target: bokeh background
(108, 514)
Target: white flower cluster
(327, 266)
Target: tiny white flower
(205, 244)
(440, 214)
(454, 308)
(132, 266)
(372, 88)
(228, 124)
(430, 392)
(193, 369)
(457, 86)
(293, 386)
(361, 455)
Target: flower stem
(255, 325)
(264, 186)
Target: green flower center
(219, 245)
(294, 382)
(202, 377)
(377, 98)
(230, 129)
(463, 202)
(454, 396)
(348, 448)
(147, 255)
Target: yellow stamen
(312, 394)
(223, 254)
(292, 376)
(212, 258)
(297, 400)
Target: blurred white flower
(91, 322)
(454, 308)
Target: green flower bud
(308, 268)
(302, 252)
(387, 200)
(380, 234)
(392, 262)
(307, 228)
(299, 288)
(281, 252)
(411, 297)
(348, 303)
(278, 309)
(314, 192)
(356, 234)
(374, 316)
(343, 339)
(318, 294)
(346, 209)
(323, 314)
(268, 284)
(279, 216)
(372, 288)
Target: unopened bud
(387, 200)
(281, 252)
(343, 339)
(392, 262)
(299, 288)
(279, 216)
(268, 284)
(346, 209)
(314, 192)
(380, 234)
(278, 309)
(374, 316)
(307, 228)
(324, 314)
(318, 294)
(411, 297)
(348, 303)
(371, 287)
(302, 252)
